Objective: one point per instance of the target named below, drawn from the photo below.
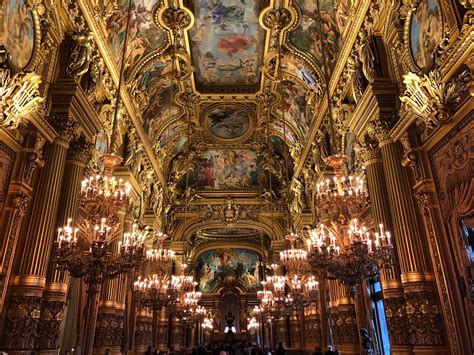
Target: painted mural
(160, 109)
(228, 122)
(153, 72)
(307, 37)
(230, 231)
(7, 160)
(143, 38)
(294, 106)
(226, 169)
(227, 42)
(214, 265)
(298, 69)
(425, 33)
(291, 138)
(18, 31)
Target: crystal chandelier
(161, 258)
(253, 325)
(362, 254)
(343, 195)
(87, 250)
(207, 324)
(294, 260)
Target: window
(379, 322)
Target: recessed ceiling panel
(227, 43)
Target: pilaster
(416, 274)
(30, 283)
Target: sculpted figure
(81, 55)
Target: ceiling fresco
(294, 106)
(225, 169)
(229, 231)
(227, 42)
(143, 36)
(227, 121)
(307, 37)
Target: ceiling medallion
(228, 122)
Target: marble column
(54, 296)
(21, 330)
(421, 313)
(390, 277)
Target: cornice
(379, 98)
(67, 97)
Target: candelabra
(294, 260)
(159, 291)
(341, 196)
(362, 255)
(86, 251)
(253, 325)
(323, 251)
(207, 324)
(365, 254)
(160, 258)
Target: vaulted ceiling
(205, 70)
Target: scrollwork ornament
(424, 319)
(80, 150)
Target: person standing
(280, 349)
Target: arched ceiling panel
(227, 43)
(307, 36)
(294, 106)
(143, 36)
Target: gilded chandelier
(343, 195)
(362, 255)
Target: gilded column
(17, 203)
(390, 277)
(21, 329)
(54, 296)
(421, 311)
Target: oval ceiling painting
(228, 122)
(425, 33)
(18, 28)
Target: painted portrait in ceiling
(18, 31)
(294, 106)
(215, 267)
(160, 109)
(284, 131)
(425, 33)
(227, 42)
(227, 122)
(299, 69)
(223, 169)
(143, 36)
(307, 37)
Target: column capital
(379, 130)
(66, 128)
(369, 151)
(80, 150)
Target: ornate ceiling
(211, 64)
(224, 96)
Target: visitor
(331, 351)
(149, 350)
(280, 349)
(222, 352)
(171, 350)
(108, 351)
(318, 351)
